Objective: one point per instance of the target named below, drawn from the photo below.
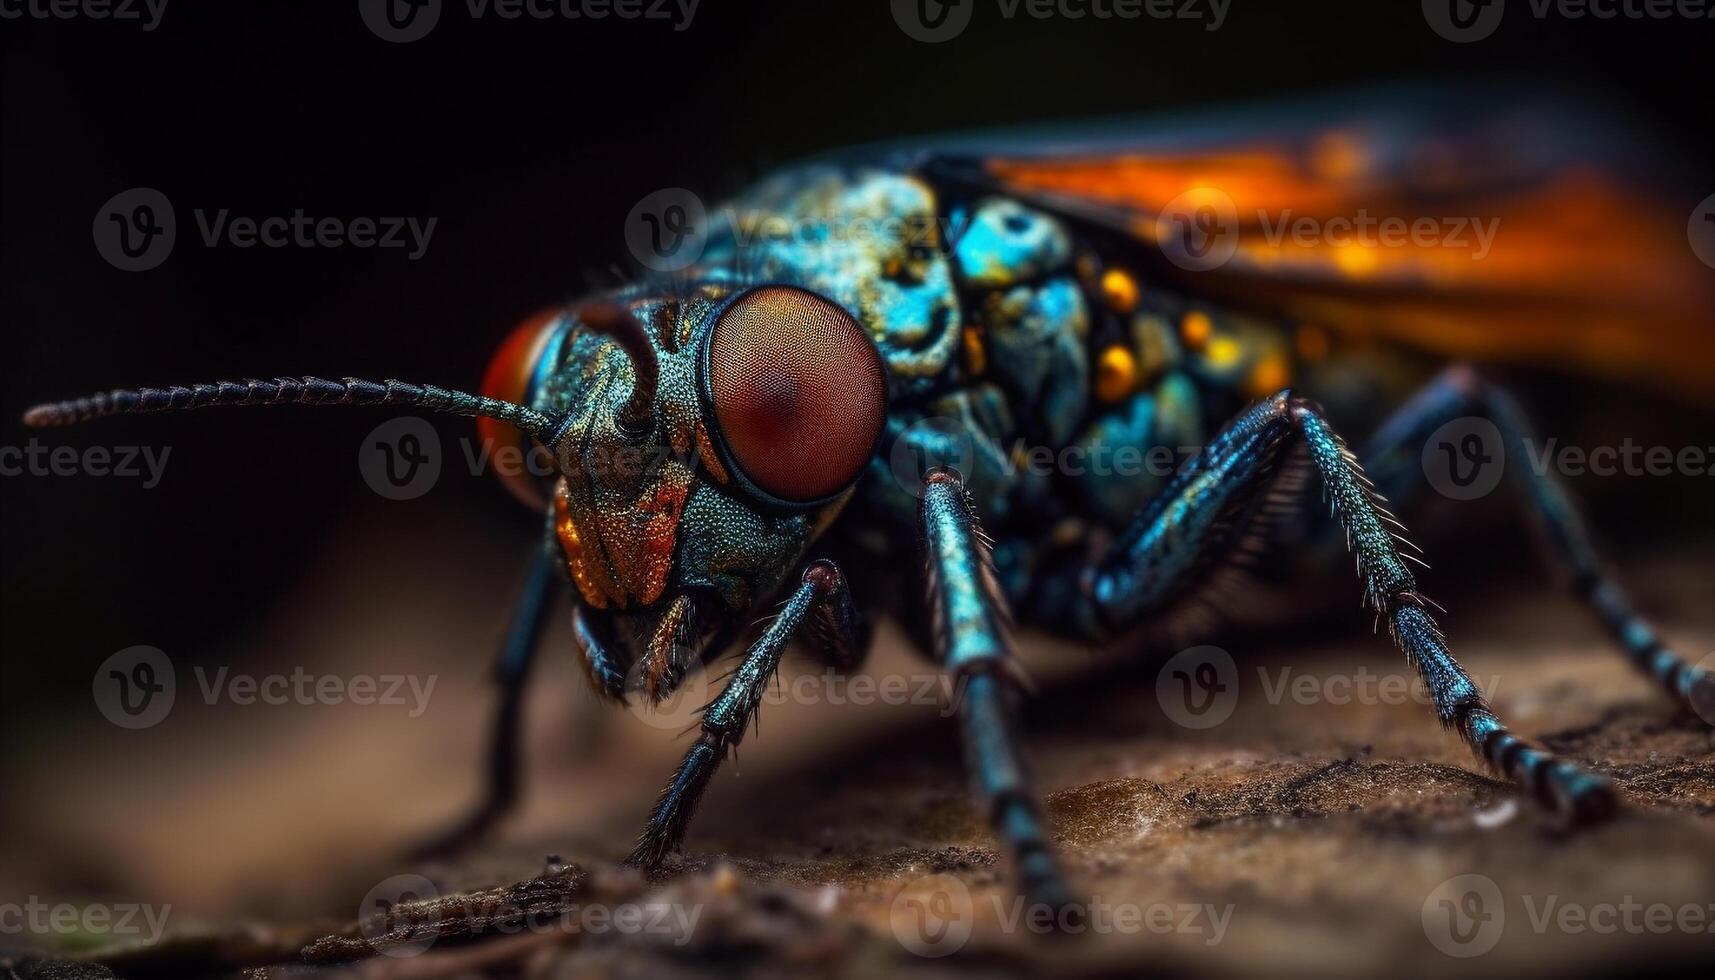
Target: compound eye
(512, 376)
(799, 392)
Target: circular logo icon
(1199, 687)
(1465, 916)
(928, 443)
(401, 459)
(1465, 458)
(1463, 21)
(933, 915)
(134, 230)
(682, 707)
(932, 21)
(667, 230)
(399, 917)
(135, 687)
(1701, 231)
(1701, 689)
(400, 21)
(1199, 229)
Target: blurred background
(262, 548)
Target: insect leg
(728, 716)
(1460, 392)
(839, 631)
(1162, 544)
(603, 668)
(511, 672)
(971, 621)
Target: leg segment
(727, 717)
(1461, 392)
(839, 631)
(511, 672)
(970, 625)
(1149, 559)
(596, 649)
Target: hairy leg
(728, 717)
(970, 629)
(1208, 503)
(1460, 392)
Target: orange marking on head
(578, 563)
(1311, 343)
(639, 536)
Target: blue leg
(821, 596)
(1461, 392)
(839, 631)
(511, 672)
(971, 621)
(1165, 548)
(604, 669)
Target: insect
(715, 429)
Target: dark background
(529, 141)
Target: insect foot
(1574, 796)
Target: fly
(716, 434)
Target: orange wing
(1497, 228)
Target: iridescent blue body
(989, 318)
(994, 320)
(1015, 389)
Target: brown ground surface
(1320, 832)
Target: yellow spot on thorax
(976, 355)
(1223, 353)
(1116, 374)
(1195, 329)
(1268, 376)
(1119, 291)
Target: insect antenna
(294, 391)
(612, 319)
(608, 318)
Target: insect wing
(1475, 225)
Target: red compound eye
(799, 392)
(508, 378)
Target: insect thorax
(1020, 350)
